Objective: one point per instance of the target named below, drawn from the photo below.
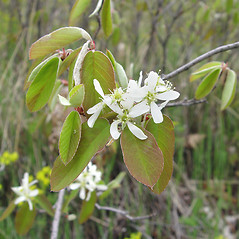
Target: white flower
(156, 89)
(88, 181)
(109, 100)
(24, 192)
(125, 117)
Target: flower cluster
(131, 103)
(44, 176)
(8, 158)
(26, 191)
(88, 181)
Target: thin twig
(99, 21)
(201, 58)
(124, 213)
(57, 216)
(187, 102)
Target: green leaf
(68, 61)
(205, 69)
(229, 5)
(70, 137)
(76, 95)
(41, 88)
(64, 101)
(77, 10)
(164, 135)
(207, 84)
(8, 210)
(56, 40)
(54, 95)
(87, 208)
(121, 75)
(36, 70)
(119, 70)
(106, 18)
(68, 199)
(143, 158)
(97, 9)
(229, 89)
(113, 185)
(24, 219)
(70, 76)
(96, 65)
(92, 140)
(45, 204)
(111, 57)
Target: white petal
(101, 187)
(74, 186)
(95, 108)
(114, 129)
(33, 182)
(163, 104)
(98, 87)
(161, 88)
(93, 118)
(88, 196)
(30, 204)
(20, 199)
(132, 85)
(82, 193)
(156, 113)
(139, 109)
(136, 131)
(152, 79)
(169, 95)
(115, 107)
(140, 78)
(34, 193)
(127, 102)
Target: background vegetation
(201, 200)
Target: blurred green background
(201, 200)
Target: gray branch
(201, 58)
(124, 213)
(186, 102)
(57, 216)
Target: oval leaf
(56, 40)
(205, 69)
(106, 18)
(143, 158)
(8, 210)
(92, 140)
(97, 9)
(207, 84)
(96, 65)
(36, 70)
(164, 135)
(77, 10)
(87, 208)
(45, 204)
(70, 137)
(76, 95)
(41, 88)
(121, 75)
(64, 101)
(229, 89)
(24, 219)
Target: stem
(57, 216)
(201, 58)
